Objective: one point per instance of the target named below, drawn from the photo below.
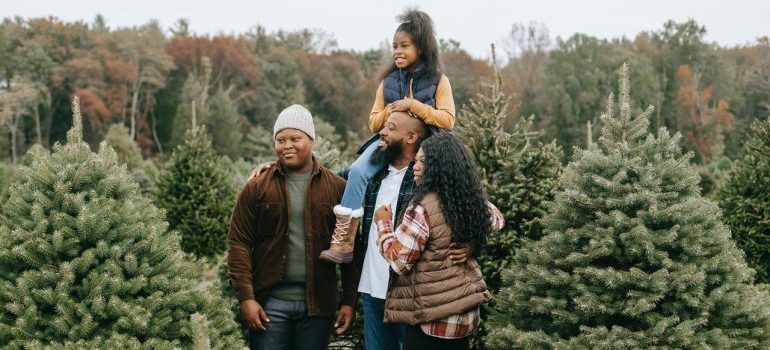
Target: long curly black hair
(420, 26)
(450, 172)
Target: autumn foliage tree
(703, 119)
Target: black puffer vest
(395, 86)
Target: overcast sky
(365, 24)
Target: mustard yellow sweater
(443, 116)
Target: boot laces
(340, 230)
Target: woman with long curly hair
(436, 298)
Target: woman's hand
(402, 105)
(459, 253)
(383, 213)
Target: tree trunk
(13, 128)
(155, 133)
(37, 126)
(134, 101)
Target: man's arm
(350, 274)
(240, 240)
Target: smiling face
(419, 166)
(294, 149)
(393, 131)
(405, 52)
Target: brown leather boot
(344, 236)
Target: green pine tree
(86, 262)
(128, 151)
(632, 258)
(192, 101)
(745, 200)
(6, 175)
(197, 193)
(519, 173)
(146, 176)
(222, 123)
(259, 145)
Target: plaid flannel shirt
(402, 250)
(370, 200)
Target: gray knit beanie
(295, 117)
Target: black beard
(389, 154)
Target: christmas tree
(519, 173)
(745, 200)
(198, 195)
(222, 123)
(128, 151)
(632, 258)
(6, 175)
(86, 262)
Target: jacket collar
(417, 73)
(281, 170)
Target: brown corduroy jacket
(258, 240)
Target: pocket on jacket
(268, 217)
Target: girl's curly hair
(420, 26)
(450, 172)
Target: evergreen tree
(745, 200)
(146, 176)
(128, 151)
(259, 144)
(632, 258)
(222, 122)
(88, 263)
(193, 95)
(6, 173)
(519, 173)
(327, 154)
(195, 189)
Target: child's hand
(402, 105)
(383, 213)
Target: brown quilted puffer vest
(435, 288)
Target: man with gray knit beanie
(281, 222)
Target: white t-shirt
(376, 270)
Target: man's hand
(344, 319)
(261, 169)
(254, 314)
(383, 213)
(459, 253)
(402, 105)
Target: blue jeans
(379, 335)
(290, 328)
(361, 172)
